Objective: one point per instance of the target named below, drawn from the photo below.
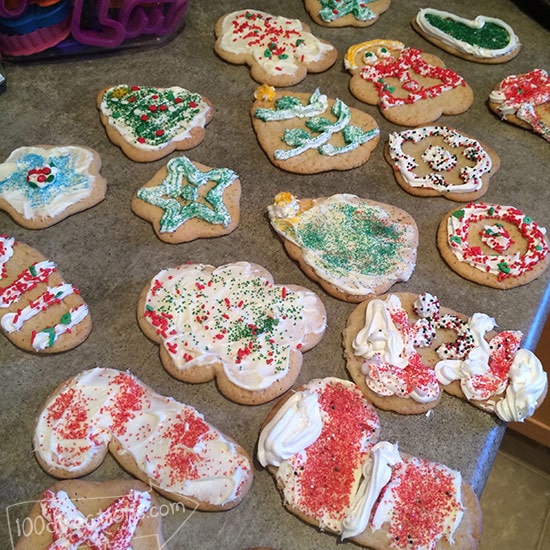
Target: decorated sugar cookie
(233, 324)
(346, 13)
(279, 51)
(357, 487)
(187, 200)
(411, 87)
(401, 348)
(435, 161)
(39, 311)
(353, 247)
(149, 123)
(483, 39)
(493, 245)
(121, 513)
(310, 133)
(524, 100)
(166, 444)
(42, 185)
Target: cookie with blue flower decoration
(43, 184)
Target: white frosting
(237, 318)
(77, 423)
(440, 159)
(478, 23)
(376, 474)
(71, 529)
(282, 31)
(388, 350)
(293, 428)
(12, 322)
(527, 383)
(12, 293)
(6, 251)
(357, 277)
(42, 340)
(74, 183)
(380, 337)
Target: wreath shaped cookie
(410, 87)
(435, 161)
(493, 245)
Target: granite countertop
(110, 254)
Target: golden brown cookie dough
(310, 133)
(187, 200)
(411, 87)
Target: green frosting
(179, 195)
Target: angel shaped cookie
(411, 87)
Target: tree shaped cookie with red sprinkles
(149, 123)
(232, 324)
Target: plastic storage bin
(31, 29)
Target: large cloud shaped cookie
(231, 323)
(360, 489)
(162, 442)
(39, 311)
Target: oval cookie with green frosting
(483, 39)
(187, 200)
(353, 247)
(310, 133)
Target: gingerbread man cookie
(411, 87)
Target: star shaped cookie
(187, 200)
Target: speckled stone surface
(110, 254)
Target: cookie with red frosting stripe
(411, 87)
(279, 51)
(162, 442)
(356, 487)
(121, 511)
(39, 311)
